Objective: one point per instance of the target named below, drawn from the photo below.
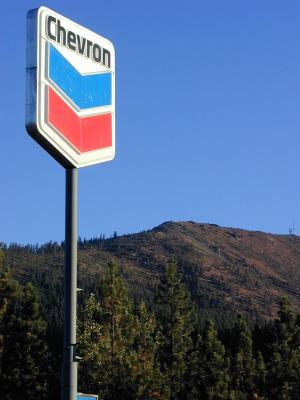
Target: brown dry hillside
(230, 269)
(227, 270)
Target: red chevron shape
(85, 133)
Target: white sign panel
(70, 90)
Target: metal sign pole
(69, 370)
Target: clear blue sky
(208, 120)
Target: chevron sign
(70, 90)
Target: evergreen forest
(131, 350)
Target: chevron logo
(70, 93)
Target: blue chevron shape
(85, 91)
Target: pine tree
(284, 365)
(106, 338)
(260, 376)
(209, 375)
(24, 358)
(144, 368)
(91, 341)
(8, 292)
(243, 367)
(175, 315)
